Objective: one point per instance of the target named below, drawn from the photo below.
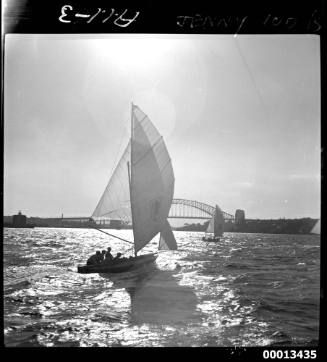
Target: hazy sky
(240, 117)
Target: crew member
(98, 257)
(103, 255)
(117, 256)
(92, 260)
(108, 254)
(108, 257)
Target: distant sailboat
(139, 191)
(215, 229)
(316, 228)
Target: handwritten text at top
(121, 19)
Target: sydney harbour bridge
(190, 209)
(180, 209)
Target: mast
(130, 175)
(215, 223)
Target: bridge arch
(205, 209)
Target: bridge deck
(180, 209)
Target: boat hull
(211, 239)
(119, 266)
(20, 227)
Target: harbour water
(246, 290)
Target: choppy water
(247, 290)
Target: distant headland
(265, 226)
(241, 225)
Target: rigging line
(128, 250)
(110, 212)
(251, 77)
(117, 237)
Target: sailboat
(316, 228)
(215, 227)
(140, 191)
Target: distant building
(239, 217)
(19, 220)
(115, 224)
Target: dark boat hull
(119, 266)
(211, 239)
(19, 227)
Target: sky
(240, 116)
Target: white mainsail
(211, 225)
(142, 186)
(219, 222)
(152, 179)
(216, 223)
(167, 239)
